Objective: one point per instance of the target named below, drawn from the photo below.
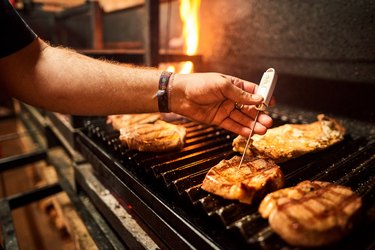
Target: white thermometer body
(266, 87)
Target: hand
(210, 98)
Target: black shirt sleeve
(14, 32)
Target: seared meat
(156, 137)
(292, 140)
(311, 214)
(123, 121)
(251, 181)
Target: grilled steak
(249, 182)
(311, 214)
(123, 121)
(156, 137)
(292, 140)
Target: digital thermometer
(265, 89)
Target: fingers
(232, 125)
(265, 120)
(245, 122)
(241, 119)
(241, 91)
(248, 113)
(244, 93)
(217, 106)
(251, 112)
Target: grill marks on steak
(126, 120)
(156, 137)
(249, 182)
(146, 132)
(311, 214)
(292, 140)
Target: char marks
(247, 183)
(313, 213)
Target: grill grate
(180, 174)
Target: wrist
(163, 93)
(176, 93)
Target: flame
(189, 10)
(187, 67)
(171, 68)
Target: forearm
(57, 79)
(61, 80)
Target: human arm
(62, 80)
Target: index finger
(241, 91)
(253, 88)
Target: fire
(189, 13)
(189, 16)
(187, 67)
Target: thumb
(239, 95)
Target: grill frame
(153, 195)
(123, 183)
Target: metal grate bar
(350, 162)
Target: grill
(163, 189)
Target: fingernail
(257, 97)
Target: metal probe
(265, 89)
